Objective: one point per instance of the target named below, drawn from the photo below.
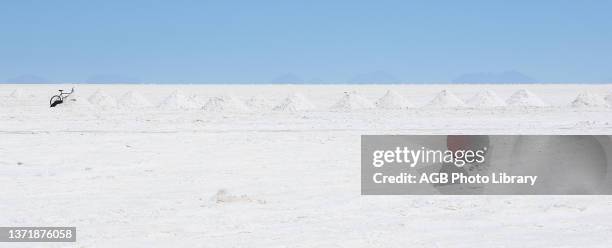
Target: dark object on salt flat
(59, 98)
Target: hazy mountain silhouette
(289, 78)
(491, 77)
(316, 81)
(111, 78)
(374, 78)
(28, 78)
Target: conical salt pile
(486, 99)
(227, 103)
(101, 99)
(589, 99)
(16, 94)
(524, 98)
(177, 100)
(393, 100)
(12, 98)
(446, 99)
(294, 103)
(609, 99)
(259, 102)
(352, 101)
(197, 100)
(132, 99)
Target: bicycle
(59, 99)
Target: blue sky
(319, 41)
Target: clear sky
(307, 40)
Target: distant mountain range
(28, 78)
(111, 78)
(288, 78)
(379, 77)
(492, 77)
(375, 77)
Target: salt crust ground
(190, 178)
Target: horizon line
(304, 83)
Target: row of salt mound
(297, 102)
(177, 100)
(350, 101)
(485, 99)
(18, 94)
(392, 100)
(588, 99)
(130, 99)
(230, 103)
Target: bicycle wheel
(55, 100)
